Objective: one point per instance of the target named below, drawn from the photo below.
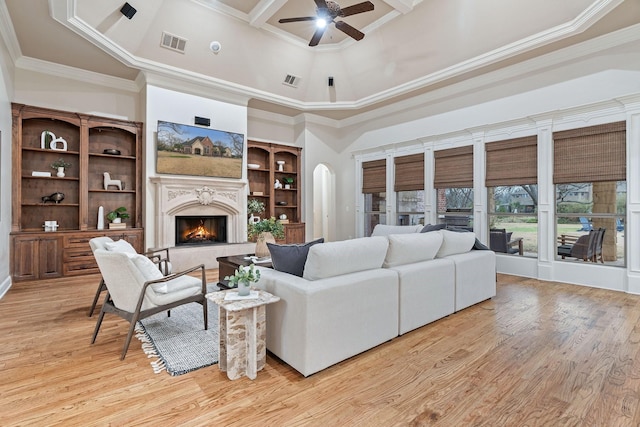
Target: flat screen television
(192, 150)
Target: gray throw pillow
(291, 258)
(433, 227)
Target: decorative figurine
(278, 184)
(108, 181)
(55, 198)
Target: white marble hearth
(202, 197)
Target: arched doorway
(323, 202)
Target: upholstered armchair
(160, 257)
(137, 289)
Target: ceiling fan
(327, 12)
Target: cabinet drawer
(76, 268)
(77, 241)
(78, 254)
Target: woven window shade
(512, 162)
(454, 168)
(374, 176)
(409, 173)
(591, 154)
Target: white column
(546, 200)
(632, 223)
(479, 189)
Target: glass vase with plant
(242, 279)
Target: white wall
(172, 106)
(6, 93)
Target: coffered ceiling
(411, 47)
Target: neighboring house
(199, 146)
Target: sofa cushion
(455, 243)
(410, 248)
(343, 257)
(121, 246)
(385, 230)
(291, 258)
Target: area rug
(178, 343)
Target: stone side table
(242, 348)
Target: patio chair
(619, 225)
(500, 241)
(586, 225)
(597, 251)
(583, 248)
(136, 289)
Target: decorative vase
(60, 172)
(253, 219)
(261, 245)
(243, 288)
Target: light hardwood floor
(539, 353)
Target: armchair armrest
(160, 257)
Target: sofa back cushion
(455, 243)
(348, 256)
(386, 230)
(410, 248)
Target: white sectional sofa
(357, 294)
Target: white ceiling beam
(402, 6)
(263, 11)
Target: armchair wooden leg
(205, 314)
(132, 328)
(101, 287)
(99, 322)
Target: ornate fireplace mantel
(199, 196)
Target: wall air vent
(291, 80)
(173, 42)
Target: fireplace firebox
(201, 230)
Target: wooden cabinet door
(294, 233)
(25, 258)
(50, 257)
(36, 257)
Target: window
(453, 180)
(512, 195)
(409, 188)
(374, 182)
(590, 181)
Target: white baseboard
(5, 286)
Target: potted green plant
(266, 230)
(117, 215)
(242, 279)
(254, 206)
(288, 182)
(60, 164)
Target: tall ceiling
(410, 47)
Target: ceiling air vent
(173, 42)
(291, 80)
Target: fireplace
(201, 229)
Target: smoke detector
(215, 46)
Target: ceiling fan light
(321, 22)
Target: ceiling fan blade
(321, 4)
(302, 18)
(349, 30)
(317, 36)
(365, 6)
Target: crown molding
(59, 70)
